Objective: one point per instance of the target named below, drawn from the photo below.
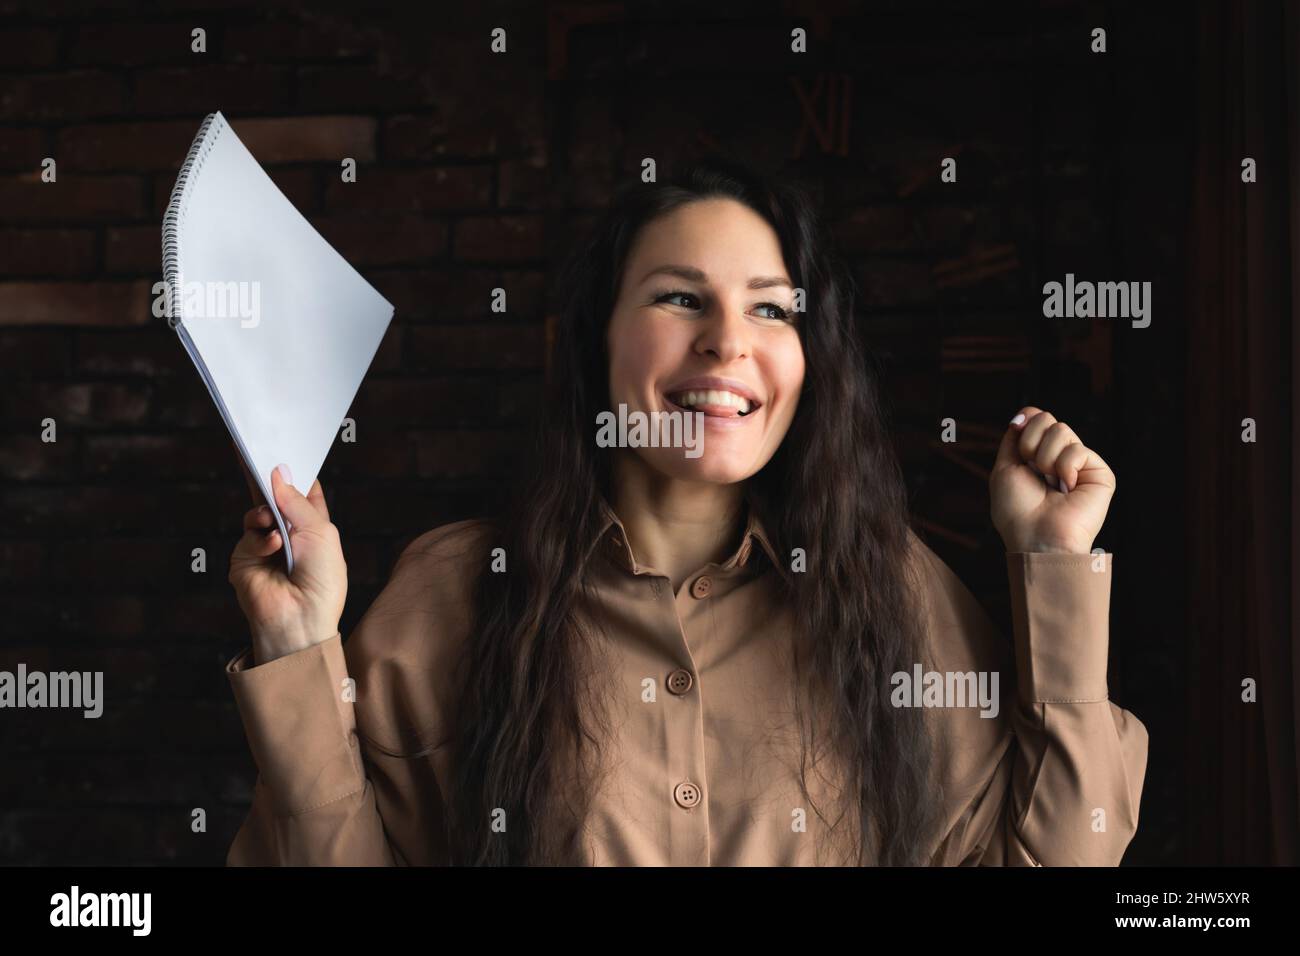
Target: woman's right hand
(289, 614)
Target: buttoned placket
(686, 786)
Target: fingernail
(285, 474)
(1061, 481)
(1019, 419)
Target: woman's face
(704, 322)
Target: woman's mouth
(716, 403)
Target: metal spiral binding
(174, 217)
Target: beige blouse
(705, 759)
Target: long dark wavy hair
(528, 738)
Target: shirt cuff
(1060, 610)
(301, 726)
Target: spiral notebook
(280, 327)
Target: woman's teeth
(710, 397)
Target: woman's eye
(778, 314)
(781, 313)
(672, 295)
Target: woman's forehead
(722, 241)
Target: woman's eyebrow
(695, 275)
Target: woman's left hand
(1036, 515)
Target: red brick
(412, 190)
(425, 294)
(297, 139)
(133, 250)
(447, 505)
(185, 454)
(422, 138)
(363, 566)
(875, 229)
(415, 138)
(498, 238)
(68, 612)
(137, 44)
(299, 186)
(467, 454)
(75, 303)
(47, 252)
(202, 506)
(525, 292)
(115, 615)
(22, 148)
(890, 282)
(390, 403)
(482, 126)
(525, 184)
(363, 88)
(293, 41)
(22, 562)
(75, 94)
(38, 833)
(41, 509)
(70, 199)
(146, 352)
(203, 89)
(378, 452)
(495, 346)
(120, 779)
(82, 404)
(108, 564)
(384, 241)
(26, 47)
(519, 397)
(595, 125)
(567, 231)
(126, 146)
(24, 457)
(388, 357)
(591, 186)
(460, 293)
(395, 511)
(176, 613)
(182, 400)
(34, 353)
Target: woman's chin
(713, 466)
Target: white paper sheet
(281, 328)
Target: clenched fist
(1048, 491)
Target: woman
(740, 656)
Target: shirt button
(686, 794)
(679, 681)
(702, 587)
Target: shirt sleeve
(1056, 779)
(351, 739)
(313, 804)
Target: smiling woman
(663, 659)
(704, 320)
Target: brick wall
(476, 171)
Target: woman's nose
(725, 334)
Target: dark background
(477, 170)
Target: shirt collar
(613, 536)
